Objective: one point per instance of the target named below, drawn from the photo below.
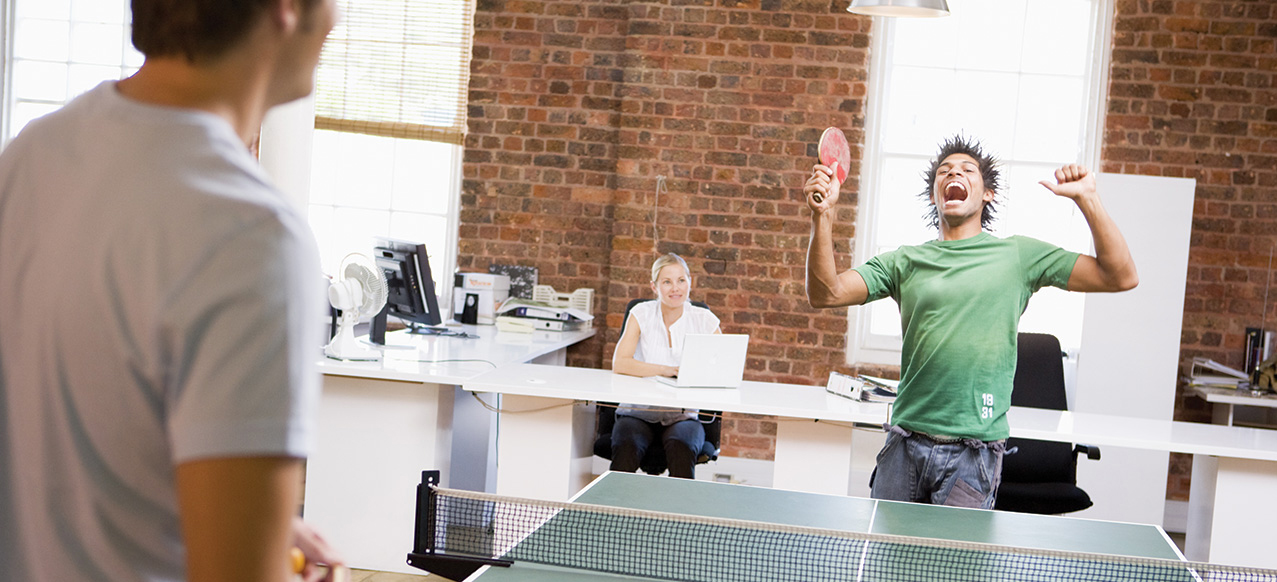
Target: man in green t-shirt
(960, 299)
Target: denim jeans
(682, 442)
(913, 467)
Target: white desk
(1235, 469)
(538, 416)
(381, 423)
(1224, 400)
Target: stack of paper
(879, 389)
(1206, 372)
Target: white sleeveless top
(653, 348)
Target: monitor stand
(377, 334)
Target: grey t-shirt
(161, 303)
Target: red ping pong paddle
(835, 153)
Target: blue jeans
(682, 442)
(913, 467)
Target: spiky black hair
(989, 173)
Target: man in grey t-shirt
(159, 314)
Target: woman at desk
(652, 345)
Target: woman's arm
(623, 361)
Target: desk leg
(1221, 413)
(813, 456)
(1230, 507)
(373, 439)
(1201, 508)
(546, 453)
(555, 358)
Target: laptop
(711, 360)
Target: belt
(998, 445)
(940, 439)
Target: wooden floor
(374, 576)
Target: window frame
(7, 10)
(443, 260)
(287, 133)
(8, 59)
(863, 346)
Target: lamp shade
(905, 8)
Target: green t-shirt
(960, 305)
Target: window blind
(397, 68)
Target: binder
(519, 307)
(529, 324)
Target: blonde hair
(667, 260)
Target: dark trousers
(682, 443)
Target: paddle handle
(298, 558)
(817, 196)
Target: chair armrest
(713, 422)
(1092, 451)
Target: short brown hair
(200, 30)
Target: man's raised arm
(1112, 268)
(825, 286)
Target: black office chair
(1041, 477)
(653, 461)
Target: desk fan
(359, 292)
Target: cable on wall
(656, 209)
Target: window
(1024, 77)
(60, 48)
(390, 103)
(366, 185)
(389, 108)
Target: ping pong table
(838, 513)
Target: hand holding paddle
(834, 153)
(313, 560)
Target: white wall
(1129, 360)
(285, 149)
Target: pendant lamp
(904, 8)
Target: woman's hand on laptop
(669, 371)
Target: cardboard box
(488, 291)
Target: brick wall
(540, 157)
(604, 133)
(578, 108)
(1192, 94)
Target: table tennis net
(666, 546)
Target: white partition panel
(1129, 358)
(374, 439)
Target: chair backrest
(630, 307)
(1039, 373)
(1039, 383)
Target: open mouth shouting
(955, 193)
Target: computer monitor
(411, 289)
